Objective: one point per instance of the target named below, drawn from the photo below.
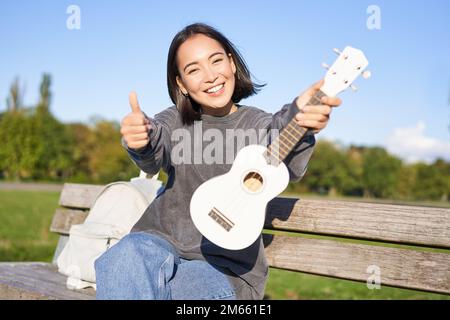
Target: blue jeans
(145, 266)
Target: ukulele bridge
(221, 219)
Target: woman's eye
(217, 60)
(192, 71)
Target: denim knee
(133, 248)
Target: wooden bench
(289, 224)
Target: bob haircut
(189, 109)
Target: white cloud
(412, 145)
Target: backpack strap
(143, 175)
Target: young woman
(165, 256)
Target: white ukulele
(230, 209)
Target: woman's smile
(216, 91)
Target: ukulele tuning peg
(337, 51)
(366, 74)
(324, 65)
(354, 88)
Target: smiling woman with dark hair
(165, 256)
(190, 108)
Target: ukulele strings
(314, 100)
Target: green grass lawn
(25, 218)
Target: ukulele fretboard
(289, 136)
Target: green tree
(53, 147)
(327, 169)
(108, 160)
(432, 181)
(83, 143)
(352, 185)
(13, 132)
(51, 139)
(380, 173)
(45, 94)
(444, 169)
(406, 182)
(15, 99)
(35, 145)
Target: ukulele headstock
(348, 66)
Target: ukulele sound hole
(253, 181)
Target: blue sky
(122, 46)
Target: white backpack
(114, 212)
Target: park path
(31, 186)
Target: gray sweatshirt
(178, 149)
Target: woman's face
(207, 73)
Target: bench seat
(37, 281)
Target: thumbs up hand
(135, 126)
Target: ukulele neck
(289, 136)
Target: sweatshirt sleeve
(298, 158)
(156, 154)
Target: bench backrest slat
(404, 268)
(81, 196)
(64, 218)
(427, 226)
